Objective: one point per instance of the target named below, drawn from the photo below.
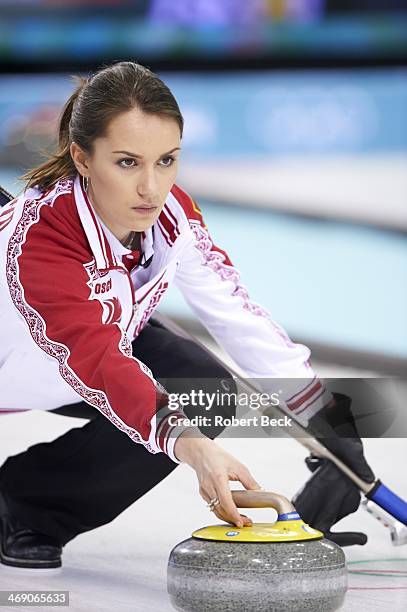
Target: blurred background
(295, 143)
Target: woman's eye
(167, 161)
(127, 163)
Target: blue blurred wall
(325, 281)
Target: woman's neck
(132, 241)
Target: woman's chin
(141, 225)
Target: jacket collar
(106, 248)
(98, 242)
(120, 250)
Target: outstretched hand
(214, 468)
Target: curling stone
(273, 567)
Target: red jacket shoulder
(59, 230)
(188, 204)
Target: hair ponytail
(59, 164)
(95, 102)
(66, 115)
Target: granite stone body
(206, 576)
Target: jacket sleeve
(212, 287)
(95, 359)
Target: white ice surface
(122, 566)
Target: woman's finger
(227, 506)
(205, 494)
(247, 522)
(210, 495)
(212, 499)
(247, 480)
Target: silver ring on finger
(213, 503)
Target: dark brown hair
(97, 100)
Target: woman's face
(131, 170)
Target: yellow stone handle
(262, 499)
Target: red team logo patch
(112, 311)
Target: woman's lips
(145, 210)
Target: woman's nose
(147, 184)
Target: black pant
(89, 475)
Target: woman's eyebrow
(140, 156)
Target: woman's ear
(80, 159)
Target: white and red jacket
(69, 310)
